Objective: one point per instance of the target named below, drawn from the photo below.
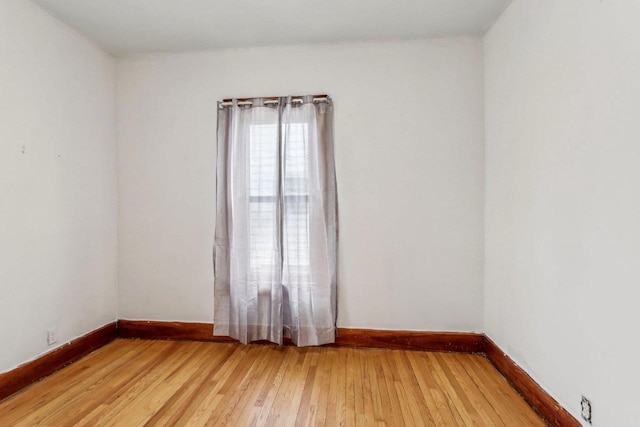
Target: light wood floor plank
(157, 383)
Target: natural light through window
(263, 190)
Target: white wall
(58, 183)
(563, 198)
(409, 147)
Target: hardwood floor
(167, 383)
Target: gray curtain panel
(275, 252)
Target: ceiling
(134, 26)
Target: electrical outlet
(586, 409)
(52, 336)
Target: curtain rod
(271, 100)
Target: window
(263, 190)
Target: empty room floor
(140, 382)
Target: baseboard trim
(454, 342)
(541, 401)
(366, 338)
(179, 331)
(30, 372)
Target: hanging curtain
(275, 254)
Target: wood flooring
(173, 383)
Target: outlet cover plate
(586, 409)
(52, 336)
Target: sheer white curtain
(275, 250)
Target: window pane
(263, 185)
(263, 189)
(296, 205)
(263, 160)
(296, 159)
